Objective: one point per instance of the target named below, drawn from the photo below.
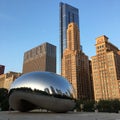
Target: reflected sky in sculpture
(45, 81)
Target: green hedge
(4, 104)
(112, 106)
(108, 106)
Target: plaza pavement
(58, 116)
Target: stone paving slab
(58, 116)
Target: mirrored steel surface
(37, 84)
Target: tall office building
(68, 14)
(75, 64)
(2, 68)
(41, 58)
(91, 80)
(106, 70)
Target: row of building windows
(41, 50)
(36, 51)
(101, 46)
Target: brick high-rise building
(41, 58)
(75, 64)
(8, 78)
(106, 70)
(91, 80)
(2, 68)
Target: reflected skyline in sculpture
(44, 86)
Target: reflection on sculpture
(44, 90)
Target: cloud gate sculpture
(43, 90)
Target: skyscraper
(106, 70)
(75, 64)
(68, 14)
(41, 58)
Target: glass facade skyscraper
(68, 14)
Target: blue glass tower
(68, 14)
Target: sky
(25, 24)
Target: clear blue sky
(25, 24)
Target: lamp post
(81, 107)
